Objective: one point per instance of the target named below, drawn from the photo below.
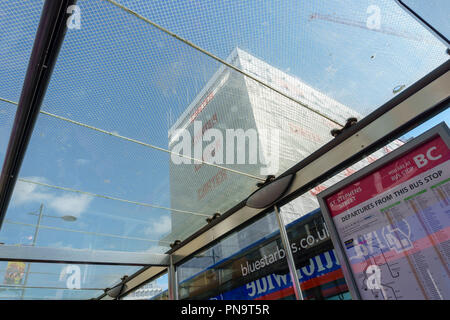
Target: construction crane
(362, 25)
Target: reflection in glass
(257, 269)
(153, 290)
(58, 281)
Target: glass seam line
(187, 42)
(149, 145)
(112, 198)
(83, 232)
(54, 288)
(56, 274)
(139, 142)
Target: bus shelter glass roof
(131, 148)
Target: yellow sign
(14, 273)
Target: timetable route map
(394, 225)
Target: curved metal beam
(49, 37)
(78, 256)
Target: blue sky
(122, 75)
(442, 117)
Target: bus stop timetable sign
(390, 222)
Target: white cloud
(330, 69)
(161, 226)
(61, 245)
(155, 249)
(64, 204)
(81, 162)
(73, 205)
(28, 192)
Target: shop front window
(257, 270)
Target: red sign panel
(392, 224)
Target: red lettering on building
(311, 136)
(371, 159)
(349, 172)
(211, 184)
(217, 146)
(202, 106)
(208, 125)
(317, 190)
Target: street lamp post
(33, 243)
(40, 215)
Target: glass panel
(356, 52)
(225, 271)
(18, 24)
(58, 281)
(153, 290)
(110, 166)
(127, 87)
(70, 220)
(103, 156)
(50, 294)
(18, 21)
(435, 13)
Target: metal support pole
(33, 244)
(289, 256)
(173, 281)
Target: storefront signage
(321, 268)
